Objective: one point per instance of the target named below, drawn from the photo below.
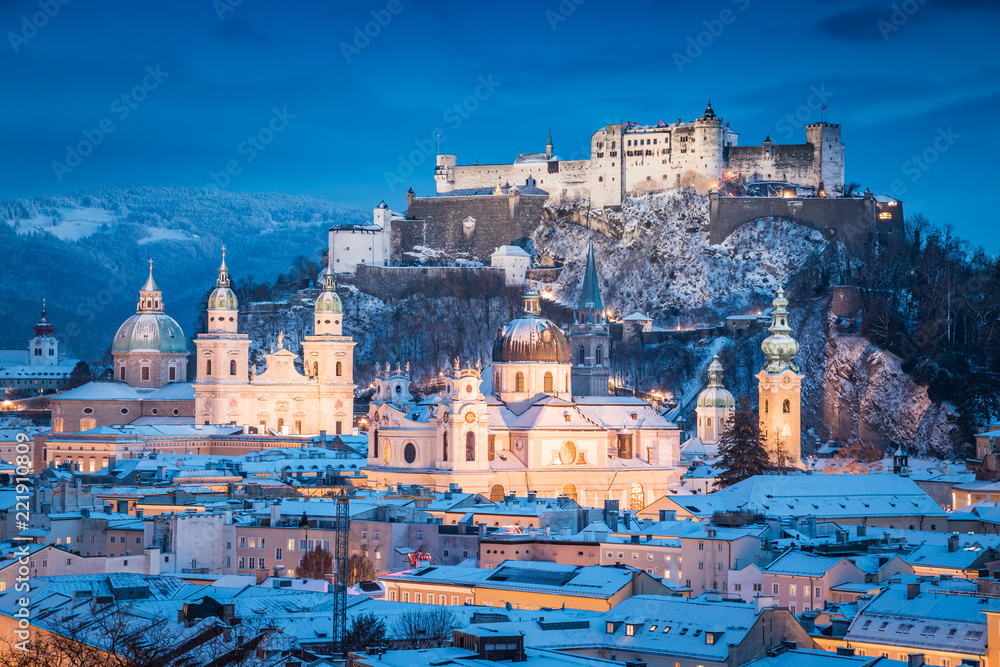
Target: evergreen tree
(366, 630)
(741, 448)
(81, 374)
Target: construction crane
(341, 528)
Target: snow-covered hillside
(661, 262)
(86, 253)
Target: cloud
(235, 28)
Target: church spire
(150, 296)
(44, 328)
(223, 280)
(548, 144)
(590, 296)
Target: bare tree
(422, 628)
(316, 564)
(359, 568)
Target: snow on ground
(154, 234)
(67, 223)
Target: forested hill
(87, 253)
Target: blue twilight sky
(353, 118)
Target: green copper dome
(716, 395)
(780, 347)
(328, 301)
(222, 297)
(150, 332)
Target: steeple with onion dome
(223, 306)
(780, 347)
(715, 405)
(779, 386)
(44, 328)
(329, 310)
(44, 347)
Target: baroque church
(278, 399)
(538, 418)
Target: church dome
(715, 394)
(222, 297)
(150, 332)
(531, 337)
(328, 300)
(780, 347)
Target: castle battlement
(629, 159)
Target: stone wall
(397, 282)
(851, 220)
(439, 223)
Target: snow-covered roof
(510, 251)
(822, 496)
(637, 317)
(801, 563)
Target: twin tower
(279, 399)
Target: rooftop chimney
(915, 660)
(953, 543)
(912, 590)
(845, 650)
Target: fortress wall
(438, 223)
(397, 282)
(794, 163)
(849, 220)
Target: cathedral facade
(517, 427)
(278, 399)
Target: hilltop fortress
(628, 159)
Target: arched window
(208, 367)
(375, 444)
(315, 369)
(519, 381)
(567, 382)
(444, 445)
(409, 453)
(548, 383)
(569, 490)
(340, 369)
(470, 446)
(765, 406)
(786, 407)
(579, 356)
(709, 422)
(496, 381)
(232, 367)
(281, 424)
(636, 497)
(57, 425)
(598, 353)
(496, 493)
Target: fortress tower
(780, 387)
(828, 157)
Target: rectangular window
(173, 373)
(701, 546)
(406, 596)
(243, 542)
(291, 544)
(112, 539)
(805, 591)
(260, 544)
(252, 543)
(817, 592)
(277, 553)
(241, 563)
(774, 589)
(792, 590)
(145, 373)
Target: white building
(351, 245)
(38, 366)
(515, 263)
